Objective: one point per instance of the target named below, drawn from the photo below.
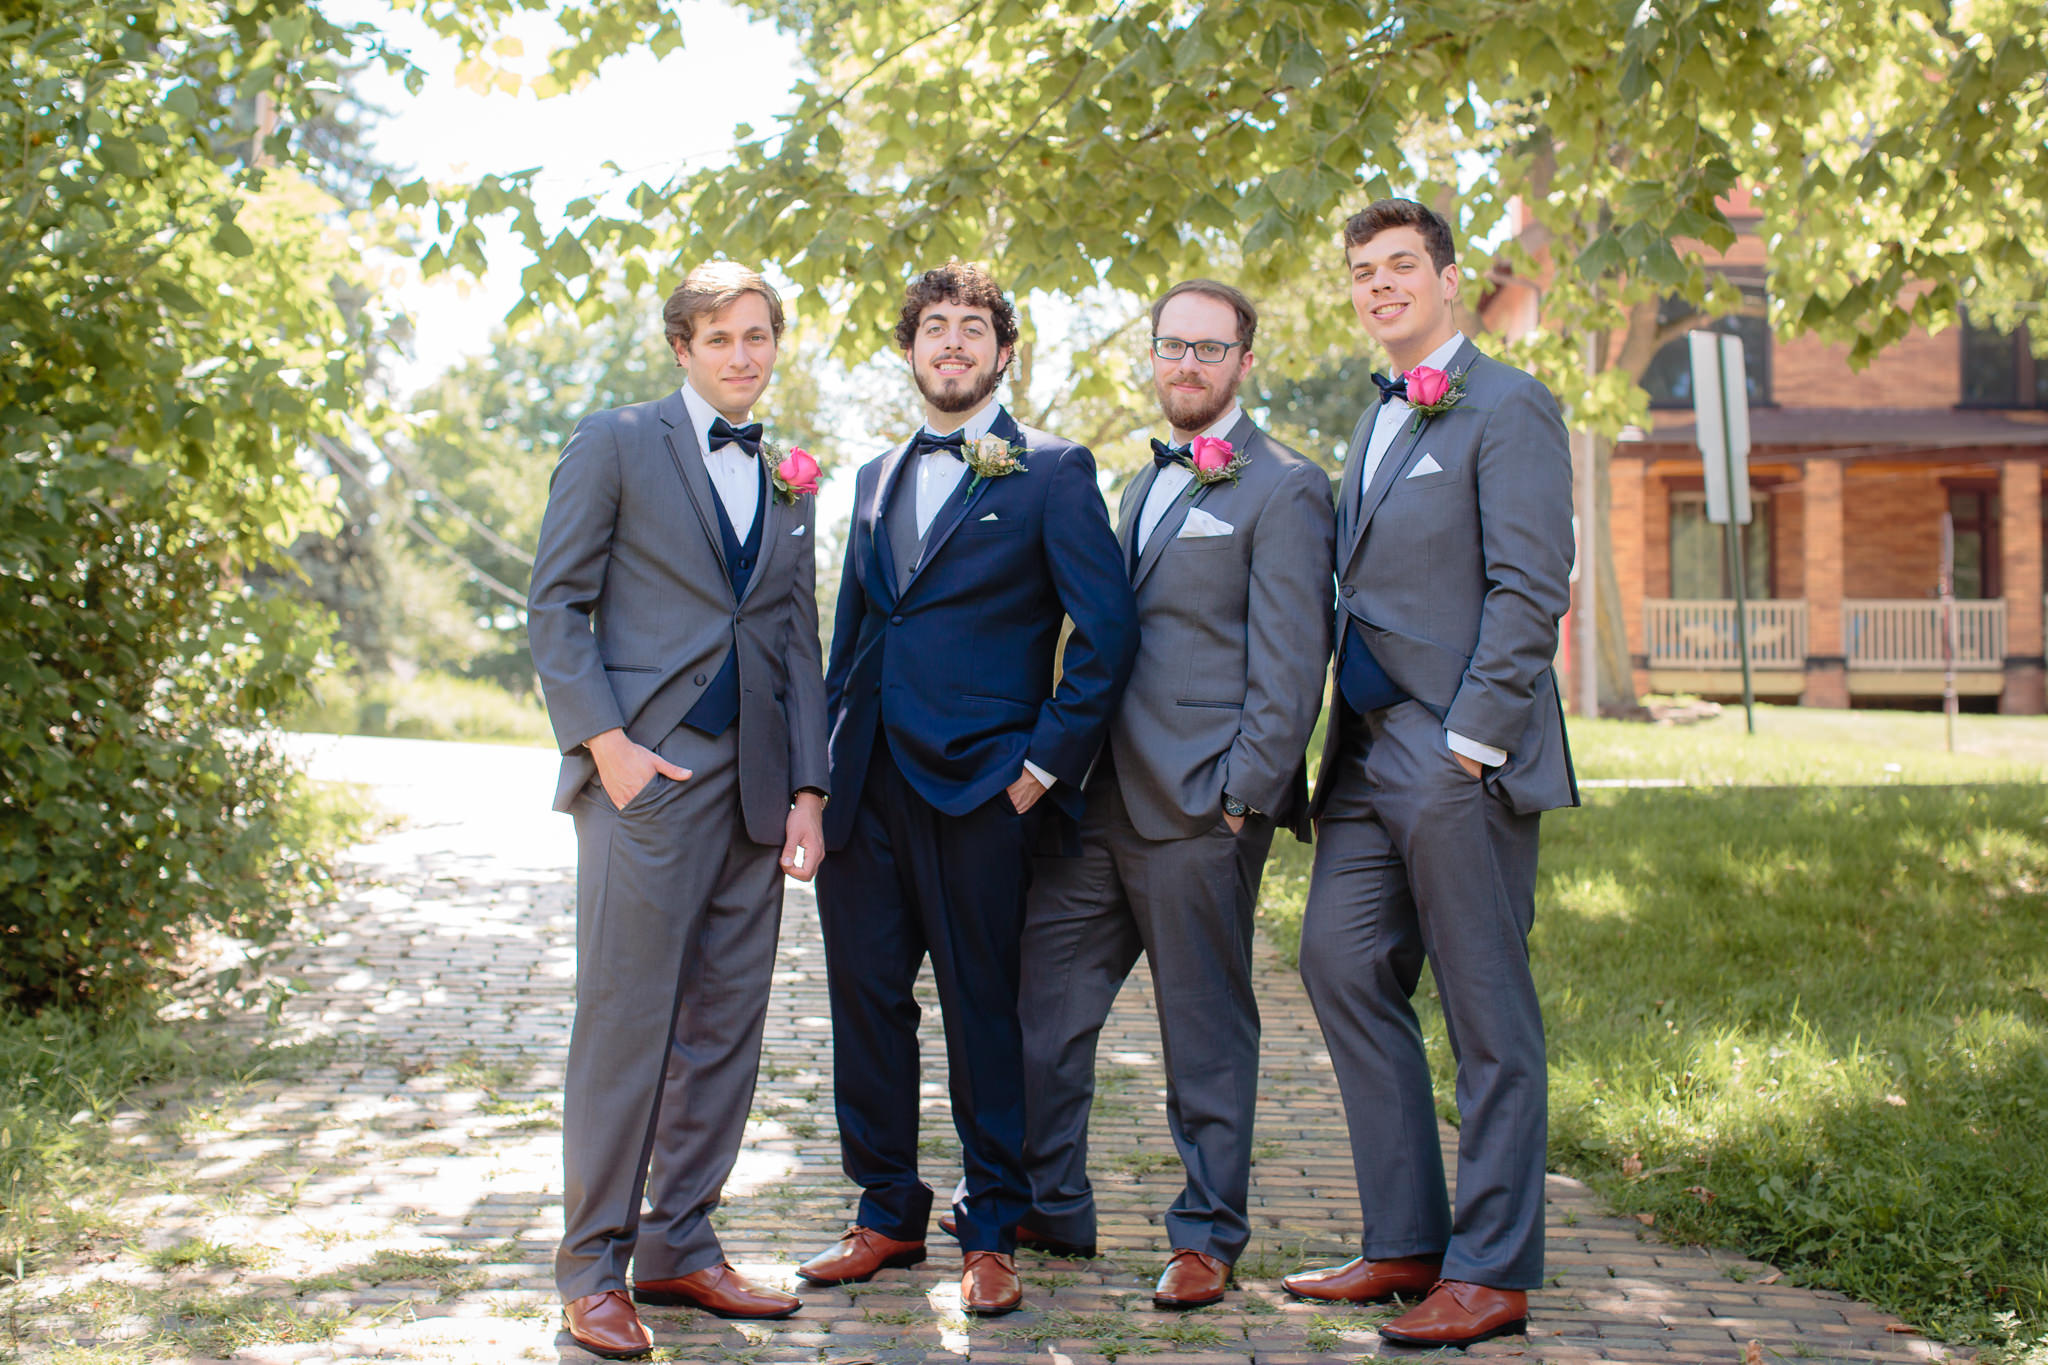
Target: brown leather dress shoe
(606, 1325)
(1193, 1279)
(1457, 1313)
(858, 1256)
(989, 1284)
(1363, 1281)
(719, 1290)
(1029, 1237)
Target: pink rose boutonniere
(794, 475)
(1214, 460)
(1431, 392)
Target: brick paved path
(397, 1200)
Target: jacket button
(878, 689)
(1347, 590)
(700, 680)
(896, 620)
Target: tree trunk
(1617, 675)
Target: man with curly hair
(971, 543)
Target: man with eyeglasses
(1228, 537)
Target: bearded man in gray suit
(1445, 743)
(675, 630)
(1227, 535)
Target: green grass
(429, 706)
(64, 1075)
(1806, 1021)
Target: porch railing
(1907, 634)
(1701, 634)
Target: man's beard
(1191, 414)
(955, 402)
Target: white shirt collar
(1219, 428)
(1441, 356)
(702, 415)
(977, 425)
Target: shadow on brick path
(397, 1200)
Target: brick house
(1850, 473)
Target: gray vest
(899, 518)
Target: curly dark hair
(960, 282)
(1375, 218)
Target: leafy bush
(134, 810)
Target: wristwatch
(1235, 808)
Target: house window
(1668, 377)
(2000, 369)
(1975, 511)
(1699, 549)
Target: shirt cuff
(1045, 779)
(1474, 750)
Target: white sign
(1720, 407)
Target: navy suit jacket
(958, 668)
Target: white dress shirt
(1174, 478)
(1392, 420)
(735, 474)
(937, 475)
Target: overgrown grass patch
(1809, 1023)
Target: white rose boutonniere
(992, 457)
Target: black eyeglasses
(1208, 352)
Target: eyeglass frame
(1195, 347)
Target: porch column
(1827, 665)
(2019, 571)
(1625, 530)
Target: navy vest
(719, 707)
(1365, 685)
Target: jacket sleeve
(1288, 619)
(804, 704)
(1524, 474)
(568, 575)
(1088, 573)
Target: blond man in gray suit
(674, 626)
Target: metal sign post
(1720, 401)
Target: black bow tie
(1164, 455)
(1391, 389)
(724, 433)
(924, 443)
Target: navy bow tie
(1391, 389)
(1164, 455)
(924, 443)
(724, 433)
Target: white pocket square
(798, 531)
(1426, 465)
(991, 517)
(1200, 524)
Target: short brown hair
(710, 288)
(960, 282)
(1375, 218)
(1247, 313)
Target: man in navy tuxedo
(970, 544)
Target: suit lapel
(887, 480)
(689, 461)
(1170, 522)
(1347, 489)
(1133, 509)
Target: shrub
(135, 811)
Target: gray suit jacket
(1233, 644)
(632, 612)
(1458, 575)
